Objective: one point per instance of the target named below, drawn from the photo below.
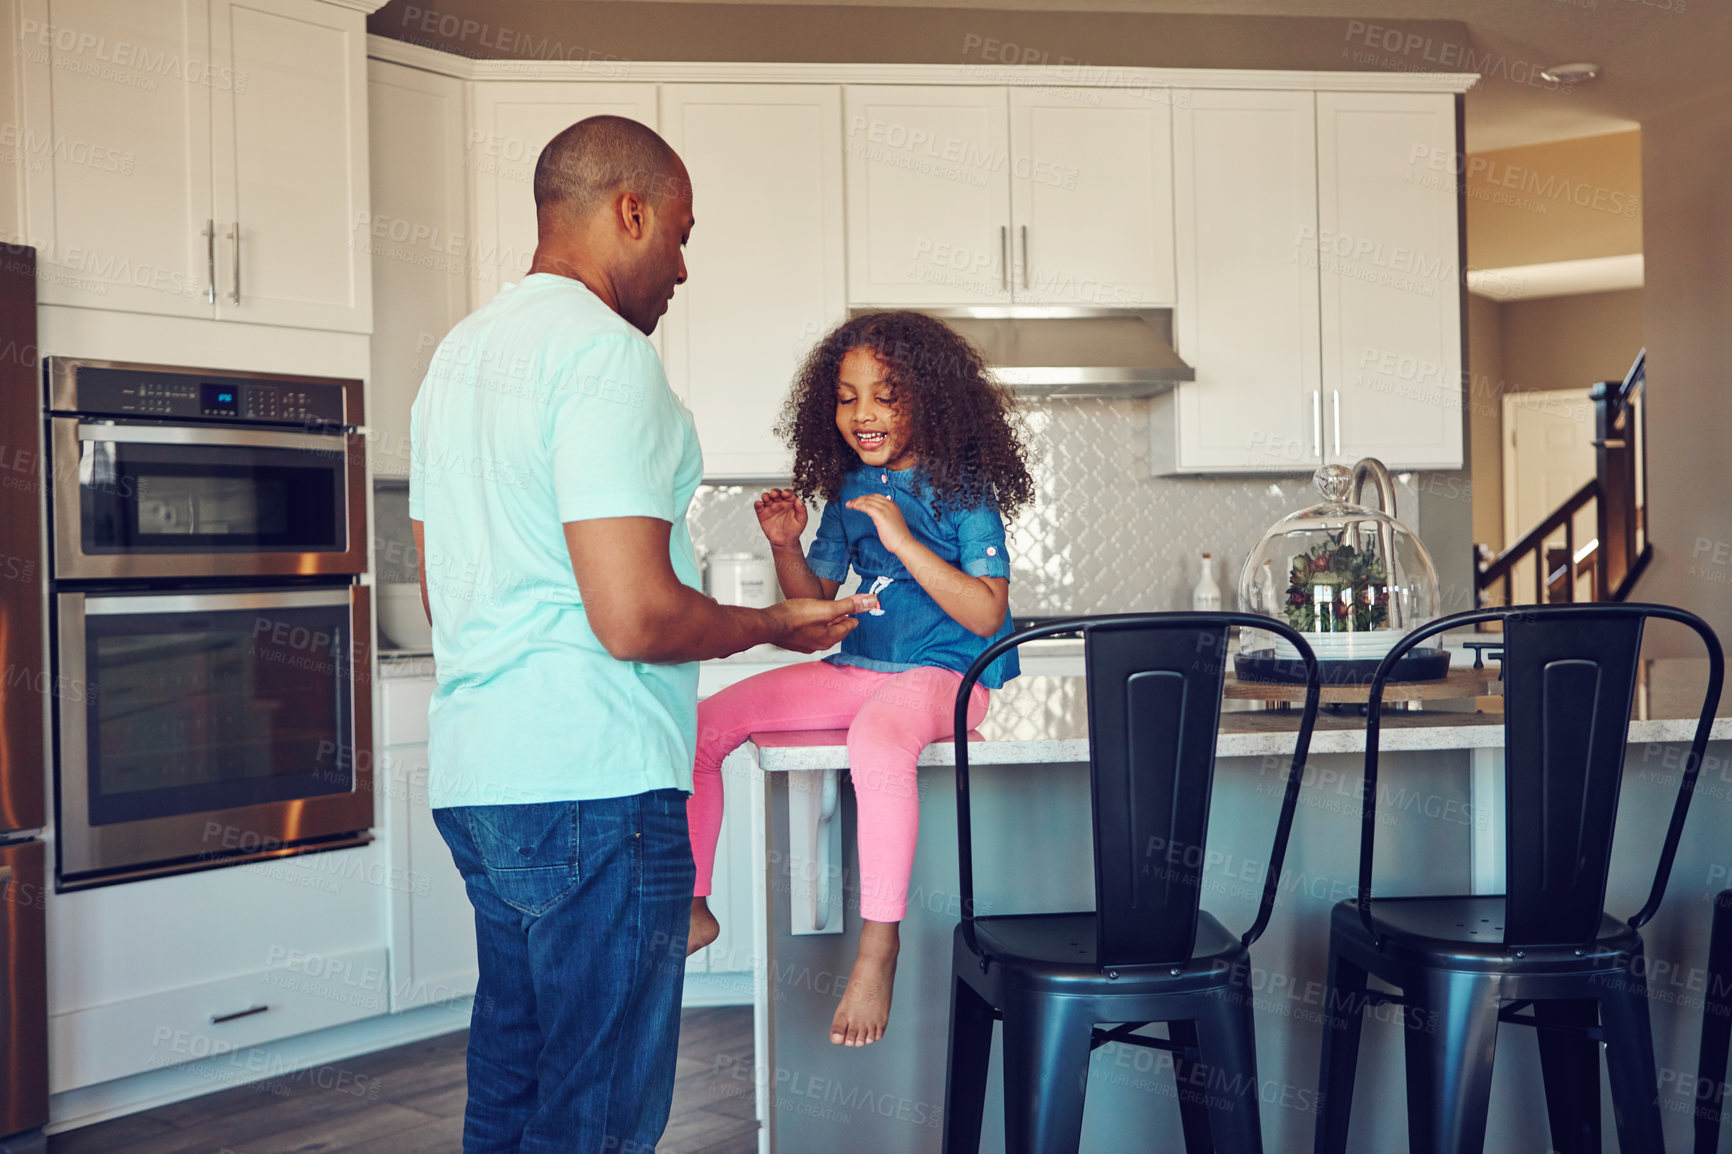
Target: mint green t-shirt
(545, 406)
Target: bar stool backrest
(1568, 685)
(1154, 704)
(1569, 677)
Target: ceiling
(1654, 55)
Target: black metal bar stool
(1465, 964)
(1147, 952)
(1716, 1028)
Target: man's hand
(782, 517)
(640, 611)
(806, 625)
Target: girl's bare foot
(865, 1008)
(705, 927)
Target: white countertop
(405, 663)
(395, 663)
(1042, 719)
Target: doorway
(1548, 454)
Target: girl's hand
(782, 517)
(893, 531)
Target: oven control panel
(245, 400)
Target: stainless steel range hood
(1074, 352)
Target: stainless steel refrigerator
(25, 692)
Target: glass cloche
(1353, 579)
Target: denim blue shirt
(909, 629)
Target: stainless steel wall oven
(210, 636)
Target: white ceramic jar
(743, 579)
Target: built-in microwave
(164, 473)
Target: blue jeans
(581, 916)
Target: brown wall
(1687, 304)
(1683, 315)
(614, 33)
(1485, 417)
(1520, 346)
(1567, 200)
(12, 159)
(1570, 342)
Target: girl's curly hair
(965, 429)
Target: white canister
(743, 579)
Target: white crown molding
(1558, 278)
(393, 51)
(1066, 76)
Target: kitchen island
(1440, 830)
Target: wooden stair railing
(1502, 568)
(1566, 565)
(1620, 551)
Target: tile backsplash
(1103, 536)
(393, 539)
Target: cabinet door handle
(1004, 257)
(219, 1019)
(210, 261)
(235, 235)
(1025, 256)
(1317, 423)
(1337, 393)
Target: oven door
(179, 501)
(202, 729)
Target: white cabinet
(154, 973)
(439, 963)
(432, 922)
(1247, 318)
(1318, 285)
(214, 163)
(511, 121)
(970, 196)
(289, 164)
(123, 221)
(1390, 275)
(416, 236)
(1091, 198)
(765, 261)
(731, 883)
(928, 195)
(299, 992)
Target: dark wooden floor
(410, 1101)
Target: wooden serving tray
(1459, 684)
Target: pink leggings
(890, 718)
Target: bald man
(552, 468)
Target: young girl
(918, 456)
